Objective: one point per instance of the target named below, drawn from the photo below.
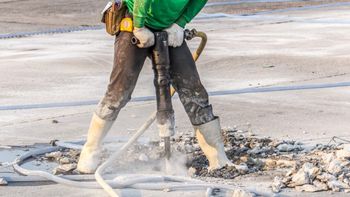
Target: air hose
(121, 181)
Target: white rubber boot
(90, 156)
(210, 140)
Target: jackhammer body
(161, 68)
(164, 92)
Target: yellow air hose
(189, 36)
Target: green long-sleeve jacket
(160, 14)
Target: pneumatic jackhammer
(164, 92)
(161, 68)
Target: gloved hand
(175, 35)
(145, 37)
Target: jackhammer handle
(188, 35)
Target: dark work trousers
(128, 62)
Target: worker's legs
(194, 97)
(186, 81)
(128, 62)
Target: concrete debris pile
(310, 168)
(249, 153)
(66, 158)
(319, 170)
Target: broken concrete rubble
(334, 167)
(337, 186)
(320, 185)
(3, 182)
(288, 147)
(312, 169)
(242, 193)
(324, 168)
(64, 160)
(327, 158)
(320, 173)
(325, 177)
(300, 178)
(243, 168)
(65, 169)
(343, 154)
(277, 184)
(54, 155)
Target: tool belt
(112, 15)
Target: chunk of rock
(65, 160)
(287, 180)
(65, 168)
(320, 185)
(344, 153)
(308, 148)
(191, 171)
(277, 184)
(74, 153)
(290, 172)
(325, 177)
(285, 147)
(337, 186)
(341, 177)
(242, 193)
(242, 167)
(3, 182)
(54, 155)
(335, 167)
(327, 158)
(270, 163)
(143, 157)
(300, 178)
(311, 170)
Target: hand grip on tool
(188, 35)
